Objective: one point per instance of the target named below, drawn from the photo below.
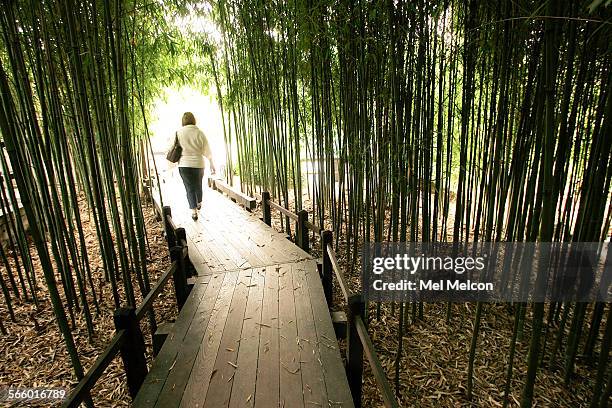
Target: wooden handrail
(283, 210)
(130, 341)
(156, 290)
(375, 365)
(171, 221)
(95, 372)
(238, 196)
(315, 228)
(336, 268)
(357, 339)
(301, 220)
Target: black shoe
(194, 216)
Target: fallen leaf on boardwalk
(291, 371)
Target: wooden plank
(155, 380)
(243, 219)
(225, 239)
(241, 242)
(248, 251)
(263, 245)
(214, 254)
(265, 251)
(311, 366)
(216, 248)
(210, 259)
(203, 279)
(267, 388)
(269, 243)
(194, 236)
(225, 368)
(275, 245)
(290, 371)
(243, 389)
(187, 347)
(335, 376)
(263, 235)
(199, 380)
(197, 259)
(253, 235)
(291, 249)
(195, 229)
(220, 249)
(221, 246)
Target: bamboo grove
(71, 121)
(391, 120)
(434, 121)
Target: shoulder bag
(174, 155)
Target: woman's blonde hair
(188, 119)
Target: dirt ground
(33, 353)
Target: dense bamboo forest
(388, 121)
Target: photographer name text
(433, 285)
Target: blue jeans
(192, 179)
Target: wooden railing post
(170, 235)
(181, 238)
(265, 207)
(354, 349)
(301, 232)
(179, 276)
(327, 271)
(132, 350)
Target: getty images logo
(414, 264)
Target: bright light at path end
(167, 113)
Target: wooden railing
(302, 224)
(128, 340)
(249, 203)
(358, 339)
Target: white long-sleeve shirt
(195, 146)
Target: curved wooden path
(256, 329)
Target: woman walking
(191, 164)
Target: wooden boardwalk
(256, 330)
